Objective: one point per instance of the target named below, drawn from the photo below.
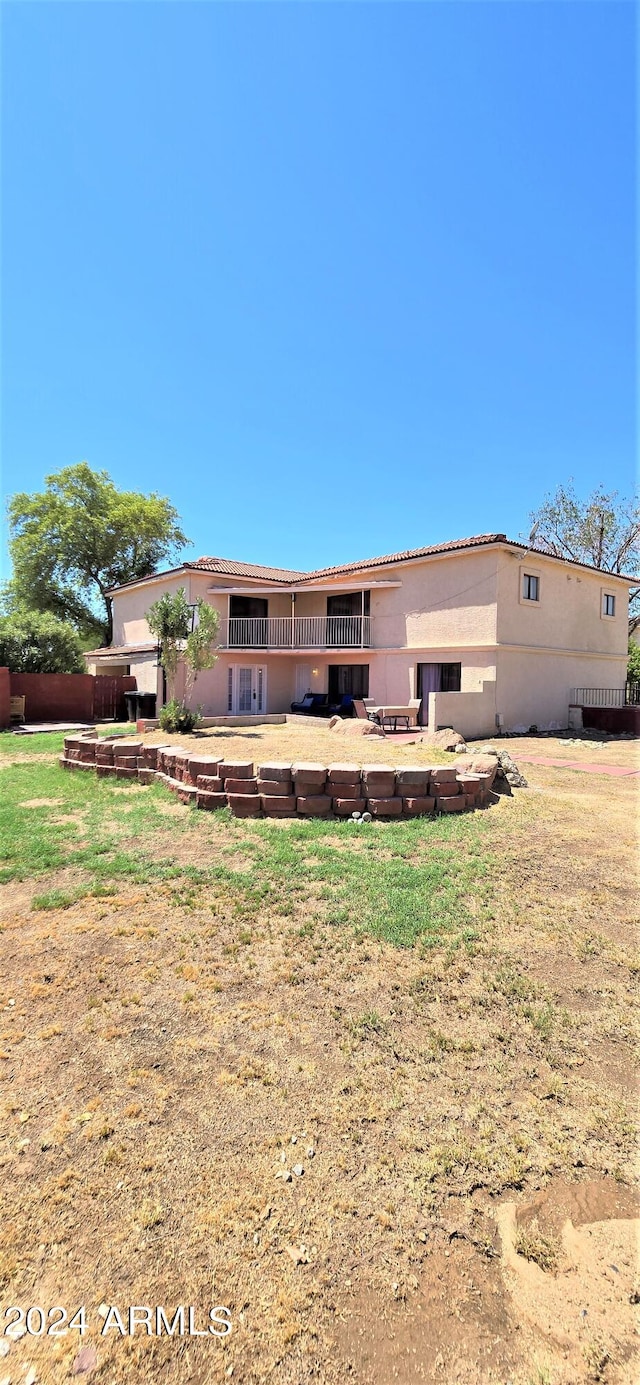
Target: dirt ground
(463, 1117)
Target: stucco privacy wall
(535, 688)
(471, 713)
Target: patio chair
(304, 706)
(360, 710)
(415, 704)
(343, 708)
(313, 704)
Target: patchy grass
(400, 881)
(442, 1012)
(16, 747)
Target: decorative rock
(444, 739)
(352, 726)
(366, 817)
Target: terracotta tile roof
(475, 542)
(229, 567)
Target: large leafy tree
(81, 536)
(603, 531)
(35, 643)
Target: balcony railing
(297, 632)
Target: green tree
(603, 531)
(31, 642)
(186, 634)
(633, 666)
(81, 536)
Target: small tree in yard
(185, 634)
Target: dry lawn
(435, 1020)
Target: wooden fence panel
(109, 696)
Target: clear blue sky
(337, 278)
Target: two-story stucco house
(488, 633)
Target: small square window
(608, 604)
(530, 587)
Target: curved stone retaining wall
(284, 790)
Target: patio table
(393, 715)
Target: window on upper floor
(530, 587)
(608, 604)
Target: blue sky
(339, 278)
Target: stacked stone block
(282, 790)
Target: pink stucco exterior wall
(519, 660)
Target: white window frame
(605, 596)
(529, 572)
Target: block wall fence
(281, 790)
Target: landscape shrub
(175, 717)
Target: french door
(247, 689)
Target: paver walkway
(615, 770)
(590, 767)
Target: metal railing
(297, 632)
(629, 696)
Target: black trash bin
(131, 703)
(140, 704)
(146, 704)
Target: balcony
(296, 632)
